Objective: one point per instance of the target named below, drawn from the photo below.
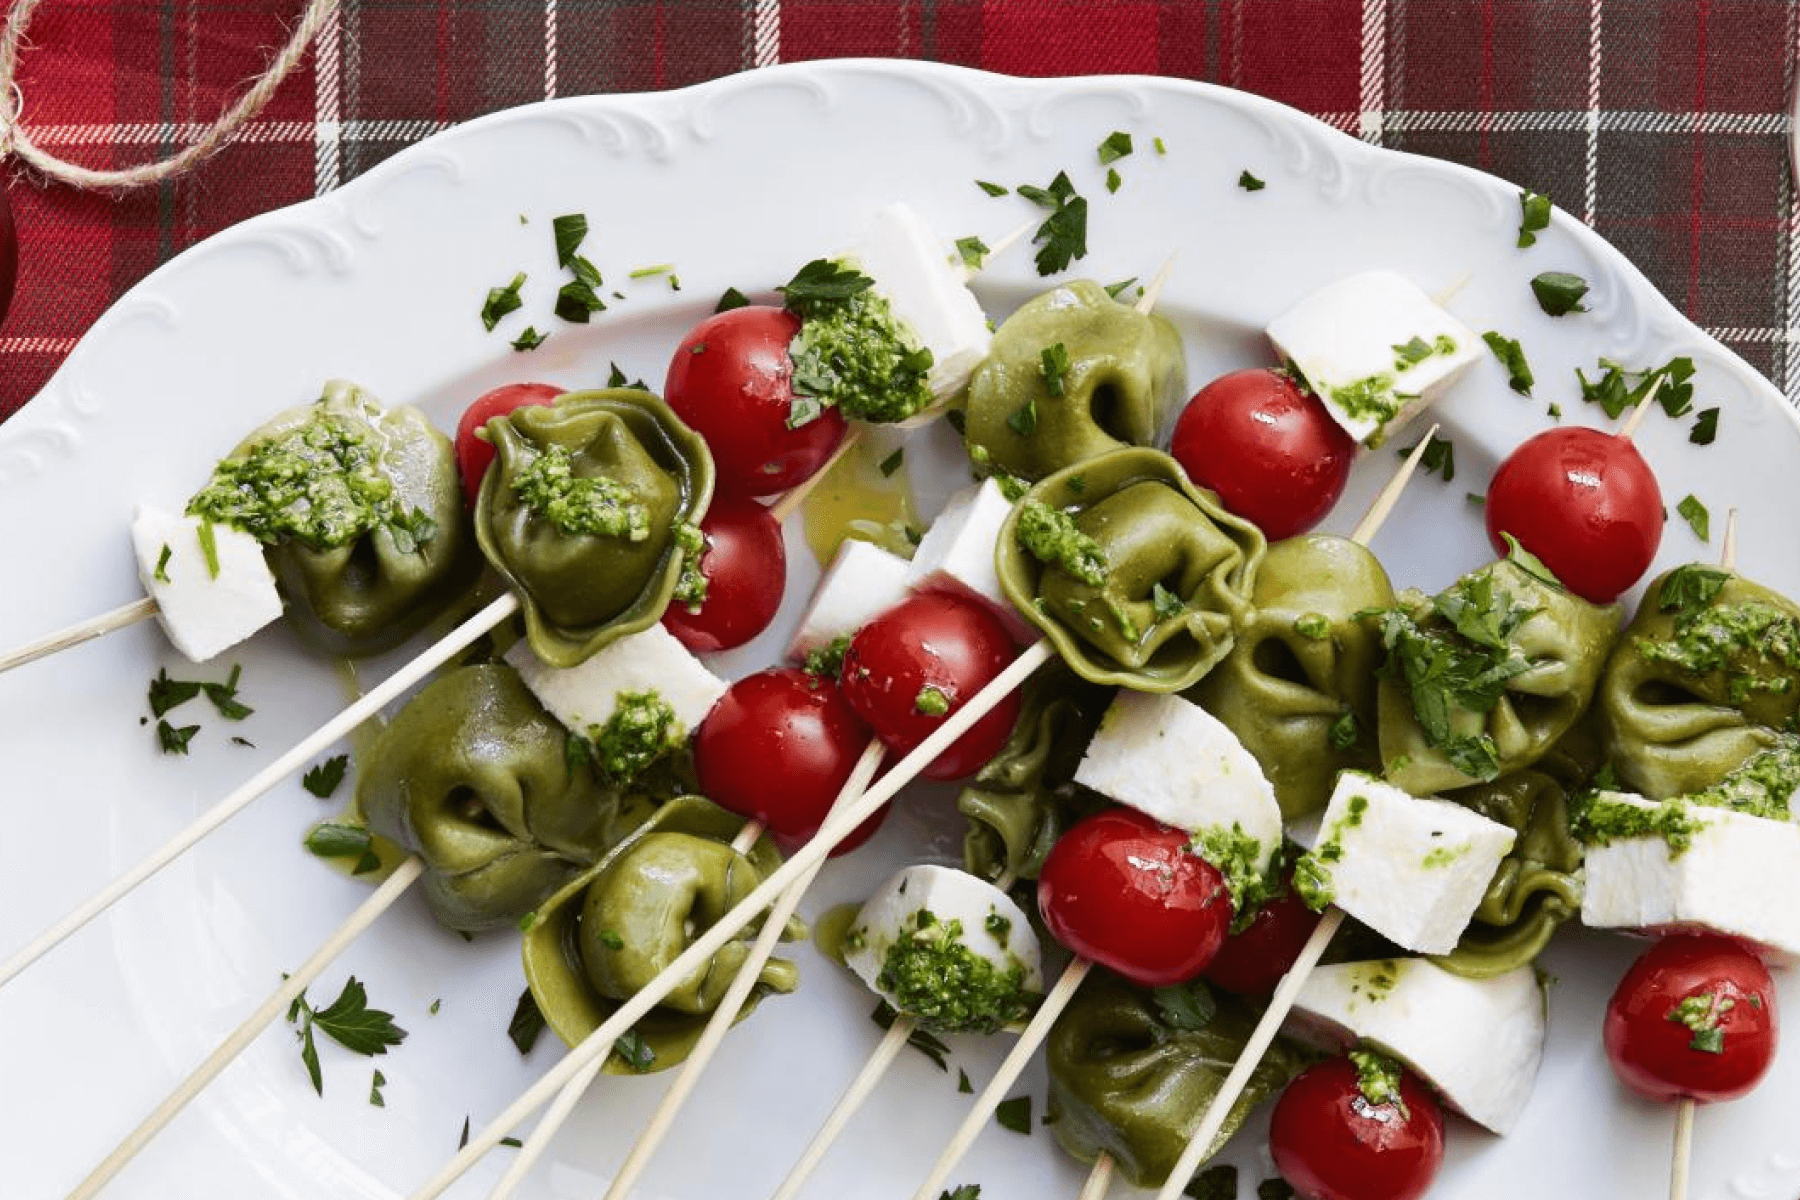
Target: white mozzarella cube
(992, 927)
(1478, 1042)
(927, 295)
(1413, 870)
(1172, 759)
(1376, 349)
(862, 582)
(957, 554)
(203, 611)
(651, 660)
(1732, 879)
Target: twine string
(14, 139)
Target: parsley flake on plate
(1512, 357)
(1534, 217)
(1559, 293)
(348, 1021)
(502, 300)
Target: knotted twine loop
(14, 140)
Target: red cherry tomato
(1121, 888)
(731, 380)
(1585, 502)
(1332, 1144)
(745, 567)
(473, 454)
(1253, 960)
(1694, 1016)
(1268, 448)
(931, 646)
(777, 747)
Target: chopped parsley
(1015, 1114)
(1024, 419)
(531, 339)
(375, 1086)
(1113, 180)
(1053, 364)
(1113, 289)
(1166, 605)
(502, 300)
(972, 251)
(167, 693)
(348, 1021)
(992, 189)
(1378, 1079)
(1343, 732)
(1158, 143)
(892, 462)
(732, 298)
(209, 547)
(615, 378)
(332, 839)
(827, 661)
(1250, 183)
(596, 505)
(634, 1051)
(1439, 457)
(1700, 1012)
(1694, 513)
(1218, 1182)
(323, 779)
(652, 271)
(1617, 389)
(570, 231)
(1689, 590)
(1313, 626)
(925, 1043)
(1064, 231)
(1186, 1006)
(934, 977)
(1706, 427)
(174, 740)
(931, 702)
(851, 352)
(1601, 818)
(161, 574)
(1512, 357)
(527, 1022)
(691, 584)
(1534, 217)
(1116, 146)
(1559, 293)
(578, 299)
(1051, 536)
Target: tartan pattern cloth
(1662, 123)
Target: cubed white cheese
(1733, 878)
(927, 294)
(651, 660)
(1376, 349)
(1478, 1042)
(202, 611)
(862, 582)
(1172, 759)
(992, 926)
(1411, 869)
(957, 554)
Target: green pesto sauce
(580, 504)
(690, 586)
(828, 660)
(1240, 859)
(320, 483)
(855, 354)
(1708, 640)
(1311, 879)
(1606, 820)
(642, 729)
(1051, 536)
(931, 702)
(1313, 626)
(1378, 1078)
(1760, 785)
(1416, 350)
(998, 926)
(932, 976)
(1443, 856)
(1375, 980)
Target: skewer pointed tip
(1384, 504)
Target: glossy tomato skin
(939, 641)
(1332, 1144)
(1253, 960)
(1585, 502)
(777, 748)
(1652, 1050)
(745, 567)
(731, 380)
(1267, 447)
(1121, 888)
(473, 454)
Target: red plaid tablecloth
(1663, 123)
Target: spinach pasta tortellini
(1091, 373)
(1136, 576)
(1298, 688)
(1706, 678)
(610, 931)
(1133, 1070)
(474, 777)
(1484, 678)
(361, 514)
(591, 509)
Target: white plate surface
(736, 182)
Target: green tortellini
(474, 777)
(1298, 688)
(1136, 576)
(1023, 799)
(361, 512)
(590, 510)
(610, 931)
(1125, 373)
(1706, 676)
(1484, 678)
(1536, 888)
(1131, 1075)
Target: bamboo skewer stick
(82, 631)
(365, 915)
(1099, 1179)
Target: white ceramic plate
(736, 183)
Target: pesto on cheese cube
(651, 660)
(957, 554)
(862, 582)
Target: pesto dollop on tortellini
(1137, 577)
(361, 513)
(475, 777)
(613, 929)
(1482, 679)
(1071, 375)
(591, 510)
(1703, 691)
(1298, 688)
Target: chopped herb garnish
(1475, 498)
(1528, 562)
(1214, 1183)
(1534, 217)
(1023, 420)
(615, 378)
(973, 252)
(1512, 357)
(1695, 514)
(652, 271)
(731, 299)
(173, 740)
(1700, 1013)
(334, 840)
(1618, 389)
(1554, 411)
(992, 189)
(375, 1086)
(576, 302)
(1378, 1079)
(828, 660)
(570, 230)
(527, 1022)
(824, 279)
(1113, 289)
(161, 574)
(1113, 180)
(1164, 603)
(1158, 143)
(968, 1191)
(1275, 1189)
(1343, 732)
(1439, 457)
(464, 1139)
(348, 1021)
(963, 1085)
(1706, 428)
(1053, 362)
(1250, 183)
(435, 1006)
(1689, 590)
(502, 300)
(634, 1051)
(892, 462)
(1051, 536)
(1015, 1114)
(610, 939)
(931, 702)
(1186, 1006)
(925, 1043)
(1064, 231)
(531, 339)
(1116, 146)
(1559, 293)
(323, 779)
(209, 547)
(167, 693)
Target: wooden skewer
(836, 829)
(792, 499)
(82, 631)
(1153, 289)
(1643, 409)
(1099, 1179)
(1389, 495)
(452, 644)
(365, 915)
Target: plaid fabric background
(1663, 123)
